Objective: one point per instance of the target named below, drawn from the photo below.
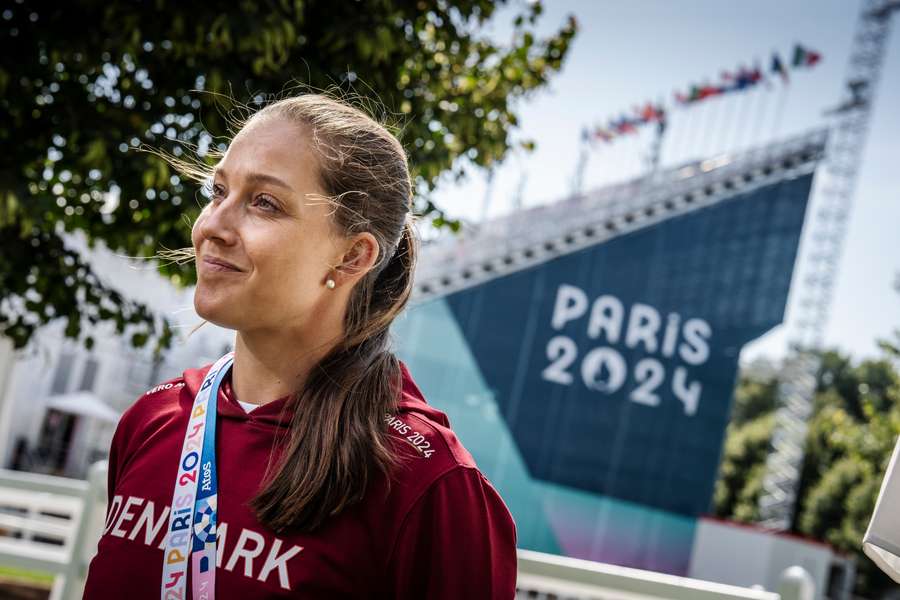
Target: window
(63, 373)
(89, 374)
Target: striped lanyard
(192, 519)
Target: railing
(52, 524)
(545, 576)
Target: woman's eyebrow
(259, 178)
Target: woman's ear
(359, 258)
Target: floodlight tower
(805, 331)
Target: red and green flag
(804, 57)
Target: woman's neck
(267, 367)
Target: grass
(38, 578)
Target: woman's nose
(220, 220)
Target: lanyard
(192, 519)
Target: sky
(629, 52)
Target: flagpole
(656, 147)
(683, 139)
(723, 129)
(709, 119)
(581, 165)
(779, 111)
(759, 119)
(724, 123)
(488, 193)
(734, 136)
(696, 132)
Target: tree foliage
(851, 435)
(753, 398)
(83, 85)
(742, 468)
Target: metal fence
(52, 524)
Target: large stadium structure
(586, 350)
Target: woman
(305, 464)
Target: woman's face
(265, 219)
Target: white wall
(741, 555)
(123, 374)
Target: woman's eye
(268, 203)
(263, 200)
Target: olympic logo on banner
(605, 368)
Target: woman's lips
(220, 266)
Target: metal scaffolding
(806, 329)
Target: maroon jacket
(441, 532)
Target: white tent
(84, 404)
(882, 540)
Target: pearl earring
(330, 283)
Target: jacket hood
(413, 401)
(274, 413)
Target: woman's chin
(214, 312)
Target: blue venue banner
(594, 389)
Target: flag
(650, 113)
(778, 67)
(743, 79)
(603, 134)
(639, 118)
(707, 91)
(625, 125)
(661, 118)
(756, 75)
(803, 57)
(694, 94)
